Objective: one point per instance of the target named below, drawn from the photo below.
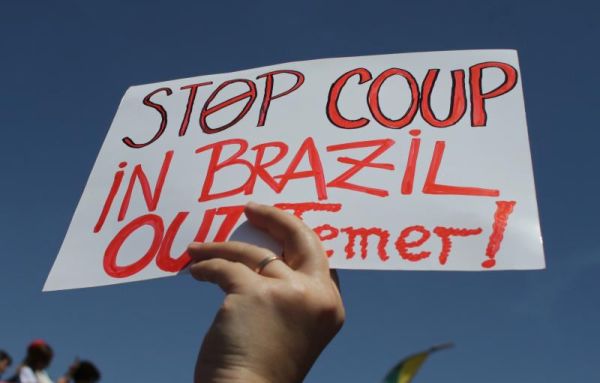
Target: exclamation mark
(503, 210)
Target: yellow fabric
(410, 367)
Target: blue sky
(64, 67)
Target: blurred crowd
(37, 359)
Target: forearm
(279, 371)
(227, 376)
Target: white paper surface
(394, 220)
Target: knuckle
(304, 235)
(332, 314)
(291, 292)
(330, 310)
(236, 267)
(228, 304)
(298, 291)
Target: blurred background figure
(5, 361)
(33, 369)
(81, 372)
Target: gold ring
(262, 264)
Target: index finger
(302, 248)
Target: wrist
(210, 373)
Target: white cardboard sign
(413, 161)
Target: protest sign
(407, 161)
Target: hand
(272, 326)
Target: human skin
(271, 326)
(66, 378)
(3, 365)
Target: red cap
(38, 343)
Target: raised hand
(278, 313)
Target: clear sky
(64, 66)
